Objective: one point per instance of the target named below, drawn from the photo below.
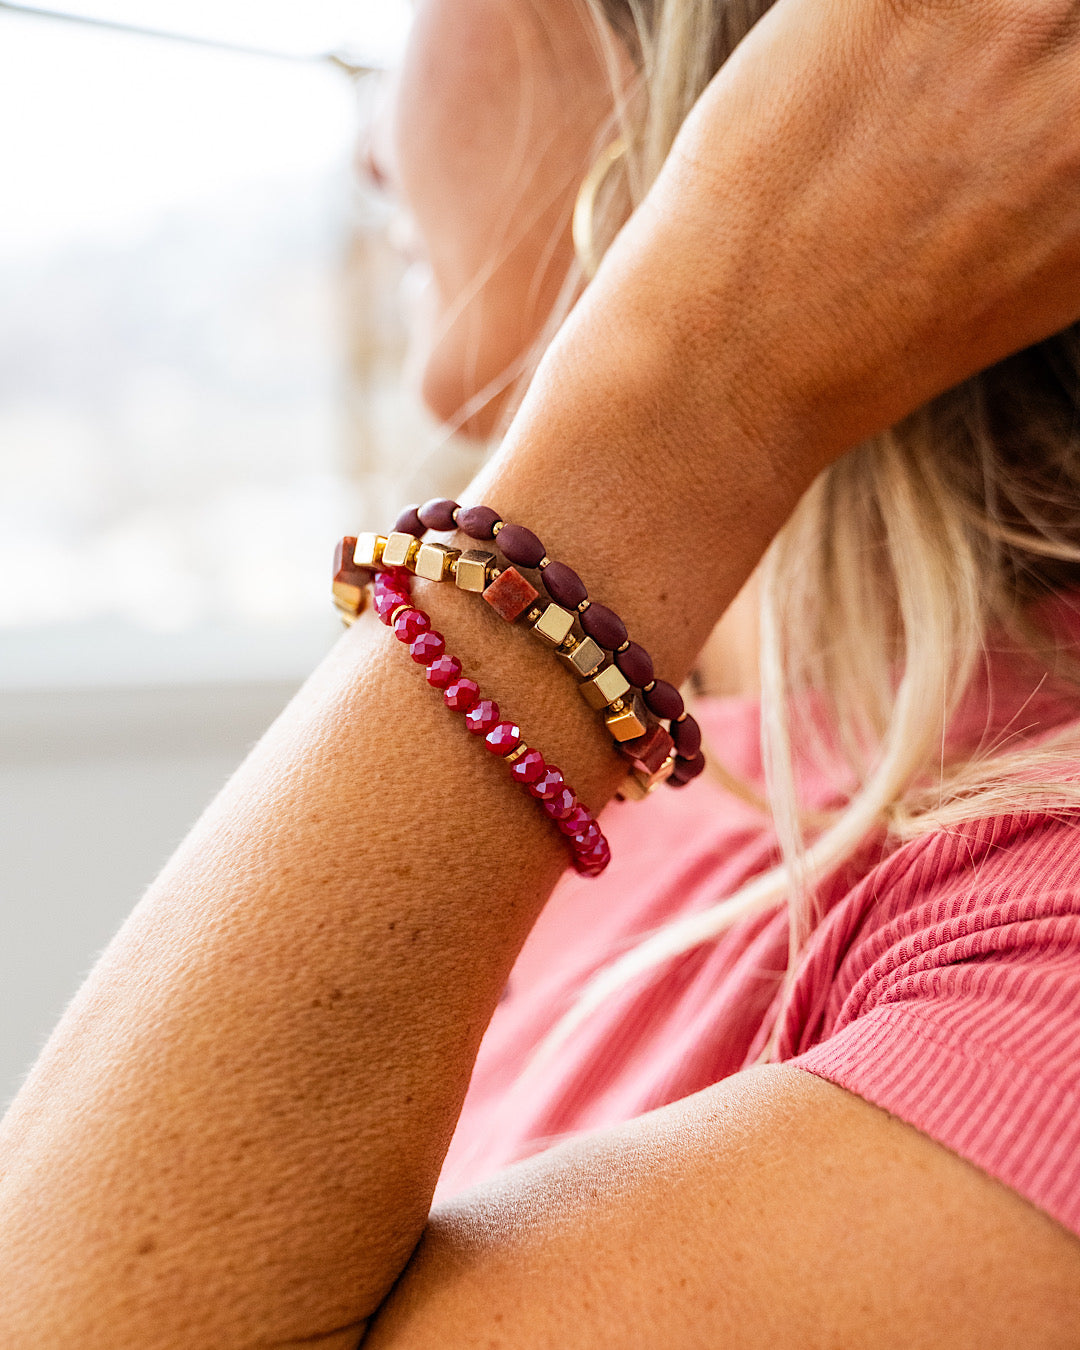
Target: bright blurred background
(200, 389)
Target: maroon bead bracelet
(393, 603)
(521, 547)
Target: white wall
(97, 786)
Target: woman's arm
(233, 1135)
(773, 1211)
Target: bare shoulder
(772, 1210)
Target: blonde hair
(901, 570)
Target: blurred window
(175, 450)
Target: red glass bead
(477, 521)
(664, 700)
(578, 819)
(409, 522)
(603, 625)
(528, 768)
(443, 671)
(510, 595)
(561, 802)
(410, 624)
(519, 545)
(427, 647)
(687, 737)
(503, 738)
(636, 664)
(462, 695)
(597, 855)
(587, 837)
(386, 602)
(564, 585)
(438, 513)
(686, 769)
(481, 718)
(549, 782)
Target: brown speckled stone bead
(647, 753)
(510, 595)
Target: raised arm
(233, 1135)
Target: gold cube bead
(632, 789)
(433, 561)
(583, 658)
(630, 721)
(605, 688)
(400, 549)
(349, 597)
(554, 624)
(474, 568)
(369, 550)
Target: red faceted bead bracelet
(393, 604)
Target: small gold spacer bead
(516, 753)
(455, 513)
(617, 706)
(496, 572)
(534, 614)
(650, 685)
(398, 609)
(544, 562)
(682, 716)
(625, 645)
(496, 528)
(584, 606)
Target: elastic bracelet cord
(589, 849)
(604, 632)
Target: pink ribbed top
(942, 983)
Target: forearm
(235, 1131)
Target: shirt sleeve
(956, 1004)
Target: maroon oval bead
(482, 717)
(409, 522)
(462, 695)
(636, 664)
(438, 513)
(563, 584)
(664, 700)
(549, 782)
(476, 521)
(520, 545)
(686, 769)
(603, 625)
(427, 648)
(687, 737)
(443, 671)
(561, 802)
(503, 738)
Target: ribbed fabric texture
(942, 984)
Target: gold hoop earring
(585, 206)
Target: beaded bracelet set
(615, 674)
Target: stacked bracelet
(544, 782)
(624, 689)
